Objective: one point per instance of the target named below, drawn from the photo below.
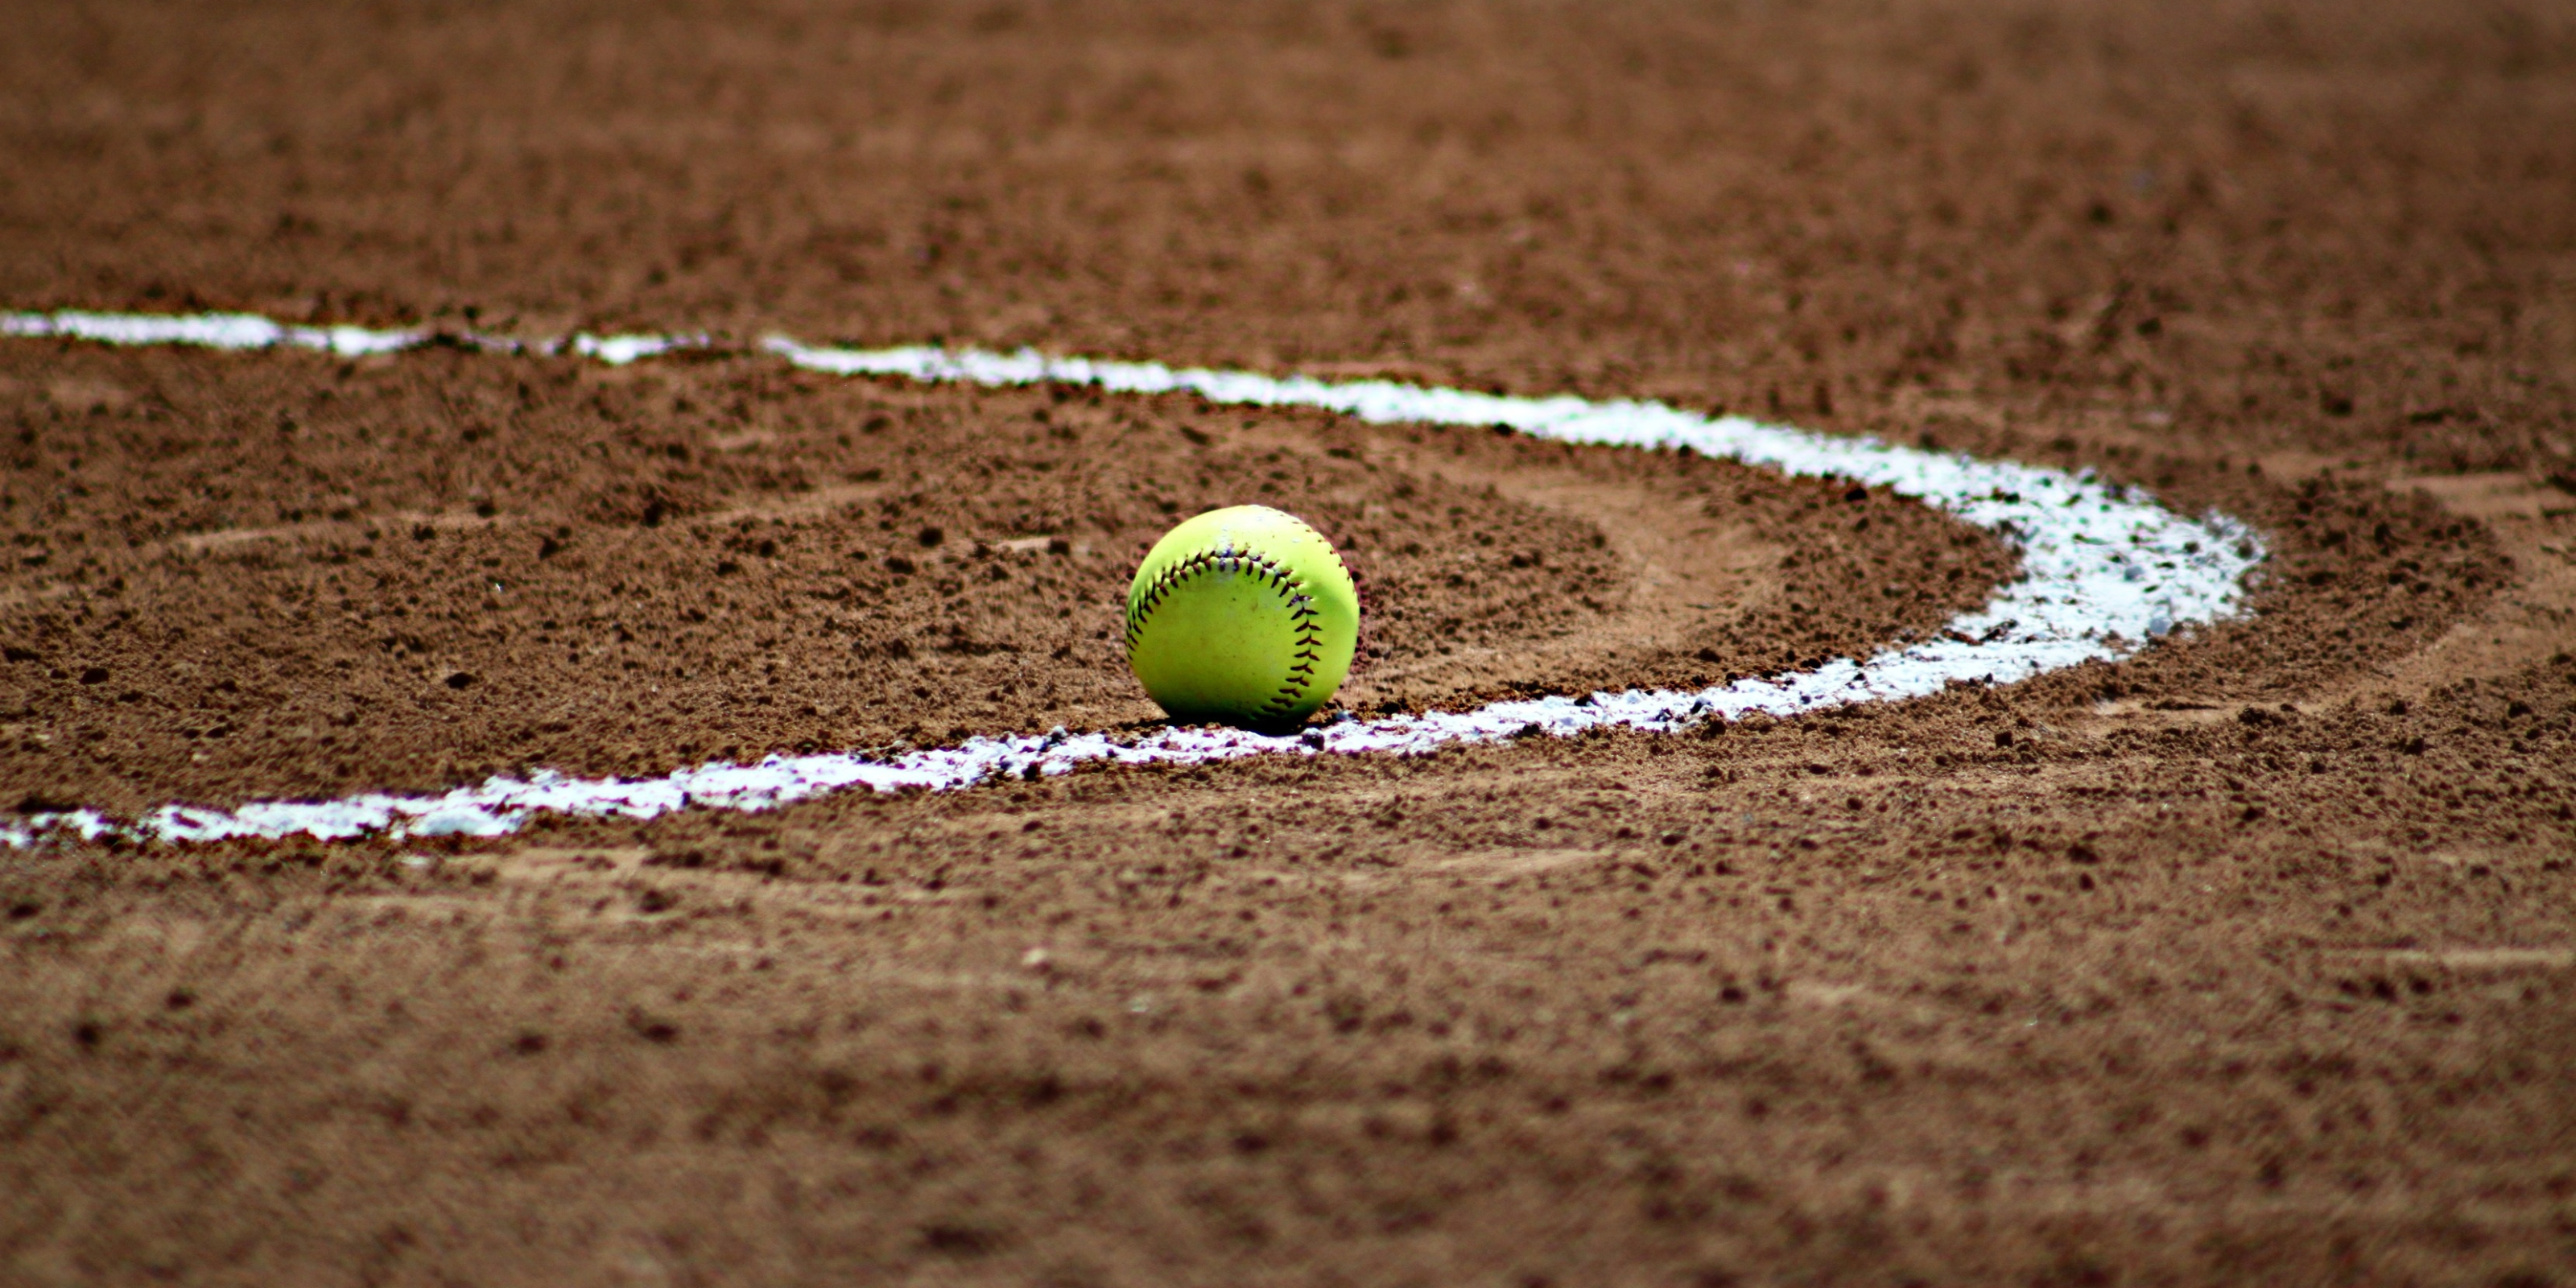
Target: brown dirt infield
(2246, 960)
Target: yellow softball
(1243, 615)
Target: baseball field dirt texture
(2243, 952)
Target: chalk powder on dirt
(2106, 570)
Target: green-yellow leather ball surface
(1244, 616)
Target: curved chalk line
(2105, 570)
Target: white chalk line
(2105, 570)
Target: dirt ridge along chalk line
(2105, 571)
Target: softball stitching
(1269, 571)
